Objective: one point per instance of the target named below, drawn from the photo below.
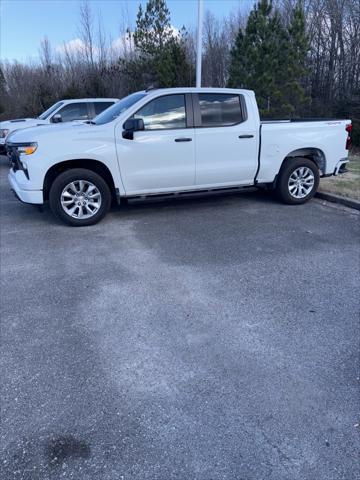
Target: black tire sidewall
(79, 174)
(286, 171)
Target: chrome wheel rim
(301, 182)
(81, 199)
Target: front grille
(14, 159)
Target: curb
(330, 197)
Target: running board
(188, 193)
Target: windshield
(118, 108)
(49, 111)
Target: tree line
(302, 58)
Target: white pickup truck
(62, 111)
(166, 141)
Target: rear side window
(167, 112)
(220, 109)
(74, 111)
(101, 106)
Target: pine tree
(161, 54)
(269, 58)
(295, 53)
(153, 27)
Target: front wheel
(298, 181)
(79, 197)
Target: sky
(24, 23)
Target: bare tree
(219, 36)
(45, 52)
(86, 31)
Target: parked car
(167, 141)
(62, 111)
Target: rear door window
(220, 109)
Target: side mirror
(132, 125)
(57, 118)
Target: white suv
(62, 111)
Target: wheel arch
(314, 154)
(93, 165)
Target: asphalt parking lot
(204, 339)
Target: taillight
(348, 128)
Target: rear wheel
(298, 181)
(79, 197)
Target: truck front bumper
(18, 183)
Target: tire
(298, 181)
(79, 197)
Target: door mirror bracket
(132, 125)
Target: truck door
(226, 140)
(161, 157)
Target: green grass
(348, 184)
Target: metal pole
(199, 43)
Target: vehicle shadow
(196, 200)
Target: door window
(50, 110)
(167, 112)
(220, 109)
(74, 111)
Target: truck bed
(323, 138)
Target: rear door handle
(183, 139)
(246, 136)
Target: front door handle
(183, 139)
(246, 136)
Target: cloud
(75, 45)
(120, 46)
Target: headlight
(27, 148)
(4, 132)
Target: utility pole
(199, 43)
